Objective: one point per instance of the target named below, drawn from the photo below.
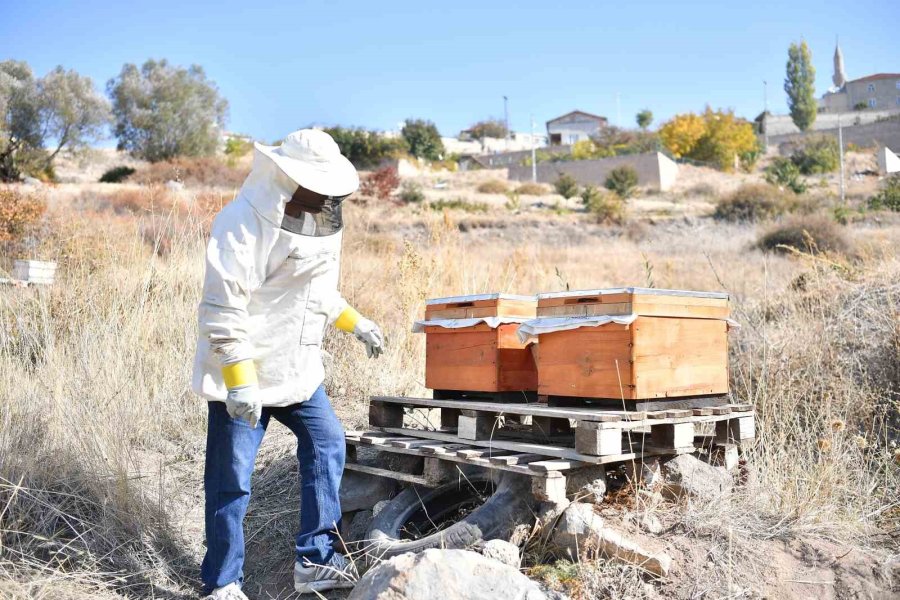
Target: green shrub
(622, 180)
(411, 193)
(818, 154)
(566, 186)
(785, 173)
(366, 149)
(458, 204)
(237, 147)
(889, 197)
(494, 186)
(606, 207)
(752, 202)
(814, 234)
(116, 174)
(532, 189)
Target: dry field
(101, 439)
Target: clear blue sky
(283, 65)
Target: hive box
(676, 345)
(479, 357)
(34, 271)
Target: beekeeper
(269, 293)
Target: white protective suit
(268, 294)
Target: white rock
(578, 523)
(646, 521)
(503, 551)
(445, 575)
(686, 475)
(587, 484)
(581, 534)
(549, 512)
(175, 186)
(31, 181)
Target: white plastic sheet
(493, 322)
(535, 327)
(531, 329)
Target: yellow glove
(243, 399)
(365, 330)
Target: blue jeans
(231, 447)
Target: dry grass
(101, 439)
(203, 171)
(493, 186)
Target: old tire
(510, 505)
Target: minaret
(839, 78)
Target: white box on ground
(35, 271)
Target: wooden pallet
(599, 436)
(440, 460)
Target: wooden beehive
(675, 347)
(479, 357)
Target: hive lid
(477, 297)
(633, 290)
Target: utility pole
(506, 120)
(533, 154)
(841, 154)
(765, 125)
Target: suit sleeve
(233, 270)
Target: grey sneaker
(339, 573)
(232, 591)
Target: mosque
(880, 91)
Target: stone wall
(866, 135)
(783, 125)
(654, 170)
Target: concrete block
(599, 442)
(477, 427)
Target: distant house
(573, 127)
(880, 91)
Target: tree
(489, 128)
(72, 111)
(622, 180)
(366, 148)
(63, 108)
(715, 136)
(644, 118)
(681, 134)
(727, 137)
(423, 139)
(163, 111)
(800, 86)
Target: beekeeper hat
(312, 159)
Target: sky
(286, 65)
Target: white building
(574, 127)
(517, 141)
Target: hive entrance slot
(582, 300)
(461, 305)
